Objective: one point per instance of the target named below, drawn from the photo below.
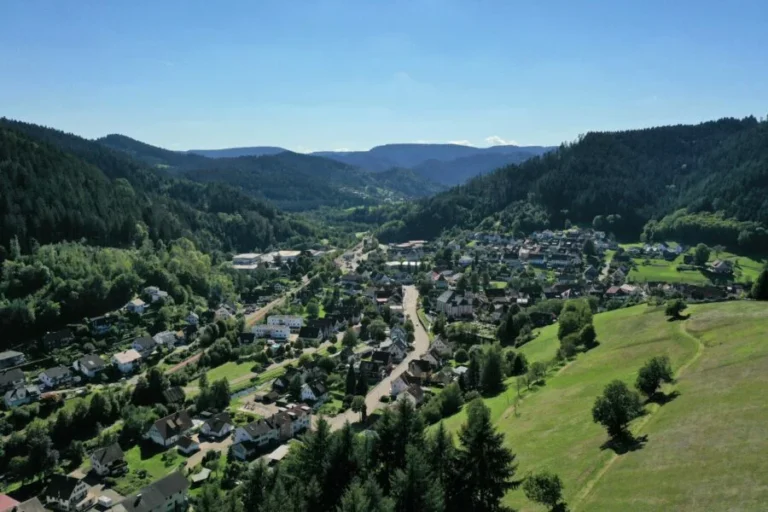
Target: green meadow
(706, 449)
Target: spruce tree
(414, 488)
(486, 467)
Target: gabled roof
(108, 454)
(174, 424)
(217, 421)
(145, 343)
(58, 372)
(257, 428)
(10, 354)
(174, 395)
(155, 495)
(445, 297)
(61, 487)
(11, 376)
(186, 442)
(309, 332)
(126, 357)
(92, 362)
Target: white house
(219, 425)
(279, 427)
(90, 365)
(246, 261)
(137, 306)
(168, 430)
(167, 338)
(127, 361)
(292, 321)
(277, 332)
(109, 460)
(402, 382)
(315, 393)
(55, 377)
(67, 493)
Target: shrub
(461, 356)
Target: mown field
(706, 449)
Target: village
(242, 382)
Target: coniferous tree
(486, 467)
(414, 488)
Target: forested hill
(293, 181)
(631, 176)
(56, 186)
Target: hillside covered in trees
(292, 181)
(620, 181)
(56, 186)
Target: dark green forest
(57, 186)
(621, 180)
(292, 181)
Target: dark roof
(145, 343)
(318, 389)
(155, 495)
(218, 421)
(257, 428)
(58, 336)
(109, 454)
(186, 442)
(92, 362)
(381, 357)
(309, 332)
(422, 365)
(174, 424)
(416, 392)
(445, 297)
(174, 395)
(11, 376)
(246, 337)
(495, 292)
(58, 372)
(61, 487)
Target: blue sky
(323, 75)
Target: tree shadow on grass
(663, 398)
(679, 318)
(591, 346)
(625, 443)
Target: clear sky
(323, 75)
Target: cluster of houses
(251, 261)
(429, 369)
(286, 424)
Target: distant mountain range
(293, 181)
(447, 164)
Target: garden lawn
(660, 270)
(230, 370)
(154, 464)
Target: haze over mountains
(447, 164)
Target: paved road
(420, 345)
(205, 447)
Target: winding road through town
(420, 347)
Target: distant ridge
(238, 152)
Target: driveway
(206, 446)
(420, 345)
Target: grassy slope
(553, 428)
(707, 448)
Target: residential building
(144, 345)
(168, 494)
(193, 318)
(279, 427)
(90, 365)
(188, 445)
(168, 430)
(277, 332)
(442, 347)
(67, 493)
(413, 394)
(22, 395)
(11, 379)
(174, 395)
(295, 322)
(155, 294)
(402, 382)
(454, 305)
(55, 377)
(137, 306)
(218, 425)
(222, 314)
(101, 324)
(8, 504)
(127, 361)
(109, 460)
(246, 261)
(420, 370)
(314, 393)
(11, 358)
(58, 339)
(310, 334)
(165, 338)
